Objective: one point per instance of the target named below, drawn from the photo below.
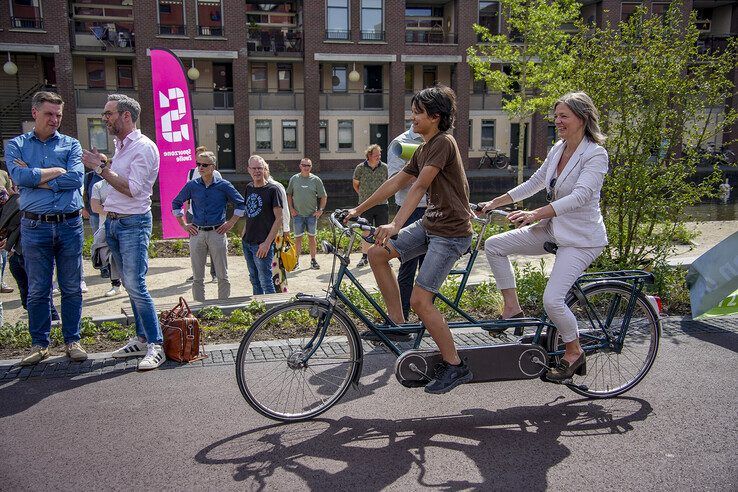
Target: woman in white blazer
(572, 175)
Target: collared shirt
(64, 195)
(370, 178)
(136, 160)
(395, 163)
(209, 201)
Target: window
(409, 78)
(337, 20)
(289, 134)
(338, 81)
(627, 10)
(480, 86)
(323, 133)
(95, 73)
(209, 18)
(258, 77)
(488, 134)
(125, 74)
(98, 134)
(110, 22)
(263, 134)
(284, 77)
(371, 20)
(489, 16)
(471, 125)
(429, 76)
(171, 17)
(345, 134)
(26, 14)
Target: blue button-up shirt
(209, 202)
(64, 195)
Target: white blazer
(578, 221)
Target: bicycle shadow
(511, 448)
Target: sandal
(564, 370)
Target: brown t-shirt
(448, 213)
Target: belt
(51, 217)
(116, 215)
(207, 228)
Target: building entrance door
(378, 135)
(514, 144)
(226, 149)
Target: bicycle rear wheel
(271, 371)
(612, 370)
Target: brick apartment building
(285, 79)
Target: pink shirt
(136, 159)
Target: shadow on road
(711, 334)
(504, 449)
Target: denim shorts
(441, 253)
(309, 223)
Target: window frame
(197, 18)
(287, 67)
(184, 16)
(323, 134)
(267, 123)
(328, 27)
(104, 82)
(289, 124)
(362, 8)
(97, 122)
(482, 138)
(118, 65)
(499, 17)
(345, 78)
(341, 146)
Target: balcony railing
(366, 101)
(483, 101)
(337, 35)
(210, 31)
(27, 22)
(430, 36)
(267, 101)
(172, 29)
(372, 35)
(96, 98)
(275, 40)
(206, 100)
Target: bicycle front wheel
(276, 374)
(612, 370)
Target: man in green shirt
(303, 193)
(368, 177)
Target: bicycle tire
(500, 162)
(610, 373)
(269, 374)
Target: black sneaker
(448, 377)
(395, 336)
(314, 264)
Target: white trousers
(570, 263)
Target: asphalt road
(191, 429)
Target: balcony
(27, 22)
(279, 101)
(96, 98)
(99, 38)
(215, 31)
(208, 100)
(429, 36)
(337, 35)
(275, 41)
(372, 35)
(172, 29)
(366, 101)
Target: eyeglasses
(550, 192)
(203, 164)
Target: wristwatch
(321, 210)
(99, 169)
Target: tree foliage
(536, 57)
(657, 94)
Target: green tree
(657, 94)
(535, 57)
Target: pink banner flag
(174, 132)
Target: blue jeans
(406, 274)
(260, 269)
(43, 244)
(131, 235)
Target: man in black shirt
(263, 219)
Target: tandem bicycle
(298, 359)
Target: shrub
(210, 313)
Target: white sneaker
(115, 290)
(134, 348)
(83, 287)
(154, 357)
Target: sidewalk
(167, 277)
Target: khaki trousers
(216, 245)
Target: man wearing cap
(209, 196)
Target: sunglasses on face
(203, 164)
(550, 192)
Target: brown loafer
(565, 370)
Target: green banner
(727, 306)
